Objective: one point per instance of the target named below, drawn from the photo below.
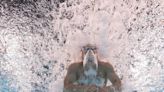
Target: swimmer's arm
(112, 76)
(70, 86)
(70, 79)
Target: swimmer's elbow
(68, 86)
(118, 85)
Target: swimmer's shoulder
(75, 66)
(105, 65)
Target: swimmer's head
(90, 57)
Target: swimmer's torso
(99, 80)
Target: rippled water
(39, 39)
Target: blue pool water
(4, 85)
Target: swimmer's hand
(107, 89)
(91, 88)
